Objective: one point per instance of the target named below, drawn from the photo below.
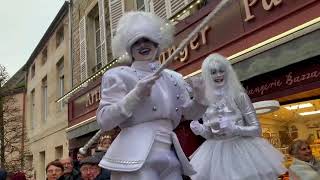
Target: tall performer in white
(234, 149)
(147, 107)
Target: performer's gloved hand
(227, 127)
(198, 89)
(144, 86)
(137, 94)
(196, 127)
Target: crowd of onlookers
(84, 167)
(304, 166)
(81, 169)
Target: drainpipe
(70, 42)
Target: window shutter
(83, 50)
(116, 9)
(159, 8)
(103, 41)
(176, 5)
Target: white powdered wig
(232, 86)
(135, 25)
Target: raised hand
(196, 127)
(198, 89)
(144, 86)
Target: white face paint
(218, 74)
(143, 50)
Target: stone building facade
(48, 77)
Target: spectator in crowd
(76, 163)
(70, 173)
(18, 176)
(305, 166)
(104, 143)
(54, 171)
(90, 170)
(80, 156)
(3, 174)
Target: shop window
(299, 120)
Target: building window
(29, 162)
(58, 152)
(59, 36)
(140, 5)
(44, 56)
(60, 70)
(42, 163)
(33, 70)
(97, 43)
(94, 44)
(44, 99)
(32, 109)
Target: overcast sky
(23, 23)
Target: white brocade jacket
(169, 100)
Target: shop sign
(287, 78)
(238, 20)
(266, 4)
(93, 97)
(85, 103)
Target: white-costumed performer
(233, 149)
(146, 107)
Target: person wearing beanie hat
(145, 106)
(90, 170)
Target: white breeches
(161, 164)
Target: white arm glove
(198, 90)
(199, 129)
(136, 95)
(117, 103)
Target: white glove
(198, 89)
(144, 86)
(196, 127)
(137, 94)
(227, 128)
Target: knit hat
(94, 159)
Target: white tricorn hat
(135, 25)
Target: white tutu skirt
(237, 158)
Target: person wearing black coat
(3, 174)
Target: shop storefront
(274, 47)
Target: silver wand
(191, 35)
(84, 149)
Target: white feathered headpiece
(135, 25)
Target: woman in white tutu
(234, 149)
